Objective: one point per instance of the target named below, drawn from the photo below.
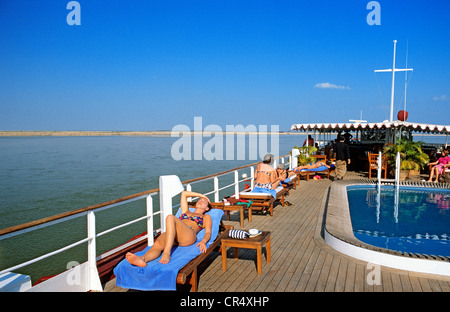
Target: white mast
(393, 70)
(406, 74)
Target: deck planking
(301, 261)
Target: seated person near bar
(438, 166)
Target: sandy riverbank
(161, 133)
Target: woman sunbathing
(311, 166)
(180, 231)
(265, 175)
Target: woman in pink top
(438, 166)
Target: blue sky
(151, 65)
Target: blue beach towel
(264, 190)
(157, 276)
(321, 168)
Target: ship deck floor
(301, 261)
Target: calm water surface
(419, 223)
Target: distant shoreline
(160, 133)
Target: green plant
(411, 155)
(305, 157)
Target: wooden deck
(301, 261)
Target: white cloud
(443, 97)
(327, 85)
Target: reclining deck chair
(314, 171)
(189, 273)
(264, 200)
(184, 262)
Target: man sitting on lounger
(311, 166)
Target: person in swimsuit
(311, 166)
(282, 173)
(180, 231)
(265, 175)
(439, 165)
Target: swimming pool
(417, 221)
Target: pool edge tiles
(339, 235)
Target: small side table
(253, 243)
(239, 208)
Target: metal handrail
(89, 211)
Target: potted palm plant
(412, 157)
(305, 157)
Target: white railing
(89, 279)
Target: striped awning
(353, 126)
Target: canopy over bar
(336, 127)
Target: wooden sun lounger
(189, 273)
(293, 183)
(263, 201)
(314, 172)
(306, 173)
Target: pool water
(416, 220)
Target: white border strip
(388, 260)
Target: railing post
(379, 161)
(252, 177)
(149, 202)
(189, 189)
(294, 158)
(397, 169)
(169, 186)
(236, 184)
(216, 189)
(93, 279)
